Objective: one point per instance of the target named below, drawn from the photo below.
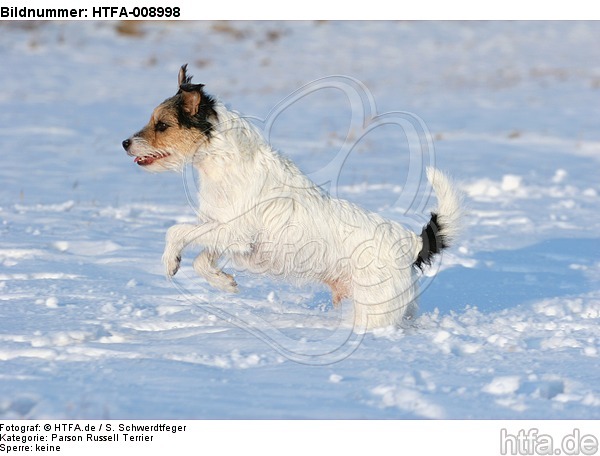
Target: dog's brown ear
(190, 93)
(192, 96)
(183, 78)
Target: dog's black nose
(126, 144)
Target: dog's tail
(443, 227)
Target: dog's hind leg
(205, 264)
(340, 290)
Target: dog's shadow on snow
(506, 278)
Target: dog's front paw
(231, 286)
(224, 282)
(171, 264)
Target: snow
(509, 318)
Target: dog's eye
(160, 126)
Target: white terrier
(258, 210)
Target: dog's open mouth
(148, 159)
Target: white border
(346, 438)
(340, 10)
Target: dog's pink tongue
(143, 161)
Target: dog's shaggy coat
(257, 209)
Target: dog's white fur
(257, 209)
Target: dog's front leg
(178, 237)
(216, 238)
(176, 240)
(205, 265)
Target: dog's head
(177, 128)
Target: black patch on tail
(433, 241)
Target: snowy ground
(509, 326)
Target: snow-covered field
(509, 320)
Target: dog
(258, 210)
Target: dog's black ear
(183, 78)
(192, 96)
